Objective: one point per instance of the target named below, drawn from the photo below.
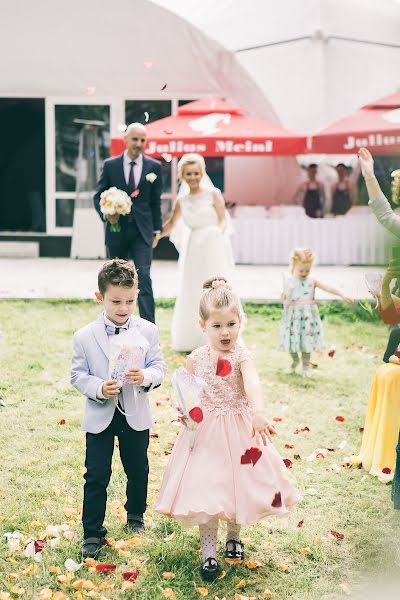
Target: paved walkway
(68, 278)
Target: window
(67, 140)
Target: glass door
(62, 147)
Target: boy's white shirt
(90, 369)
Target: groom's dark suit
(137, 229)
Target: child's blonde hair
(301, 256)
(191, 159)
(217, 293)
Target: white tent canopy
(315, 60)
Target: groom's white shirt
(90, 362)
(137, 168)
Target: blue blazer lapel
(145, 170)
(100, 334)
(119, 175)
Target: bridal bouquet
(115, 202)
(188, 389)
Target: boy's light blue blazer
(90, 369)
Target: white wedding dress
(204, 251)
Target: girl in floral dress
(231, 471)
(301, 327)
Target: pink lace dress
(210, 480)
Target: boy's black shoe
(91, 547)
(135, 525)
(210, 569)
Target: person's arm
(83, 381)
(219, 206)
(253, 390)
(377, 200)
(172, 221)
(155, 198)
(334, 291)
(102, 185)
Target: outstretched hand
(262, 429)
(366, 162)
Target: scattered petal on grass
(336, 468)
(233, 561)
(127, 585)
(283, 567)
(169, 593)
(17, 590)
(345, 587)
(130, 575)
(169, 537)
(300, 524)
(241, 584)
(336, 535)
(45, 594)
(305, 550)
(59, 596)
(53, 569)
(267, 593)
(277, 419)
(62, 422)
(241, 597)
(288, 463)
(202, 591)
(30, 569)
(311, 491)
(340, 418)
(223, 573)
(168, 575)
(90, 562)
(4, 595)
(72, 566)
(331, 351)
(289, 446)
(301, 430)
(252, 564)
(105, 568)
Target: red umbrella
(214, 127)
(376, 125)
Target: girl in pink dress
(231, 472)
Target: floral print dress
(301, 327)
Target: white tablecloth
(348, 240)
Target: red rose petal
(130, 575)
(297, 456)
(335, 534)
(166, 453)
(320, 455)
(277, 419)
(105, 568)
(277, 501)
(62, 422)
(224, 367)
(301, 430)
(331, 352)
(331, 449)
(196, 414)
(252, 455)
(340, 419)
(154, 435)
(300, 524)
(361, 429)
(288, 463)
(289, 446)
(386, 470)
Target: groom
(141, 178)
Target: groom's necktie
(131, 179)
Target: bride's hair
(191, 159)
(301, 256)
(217, 293)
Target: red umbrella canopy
(214, 127)
(375, 125)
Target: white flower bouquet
(115, 202)
(188, 389)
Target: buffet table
(354, 239)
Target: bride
(203, 243)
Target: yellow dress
(382, 422)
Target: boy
(103, 420)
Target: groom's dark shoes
(91, 547)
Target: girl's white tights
(209, 535)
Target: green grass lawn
(41, 469)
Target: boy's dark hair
(116, 272)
